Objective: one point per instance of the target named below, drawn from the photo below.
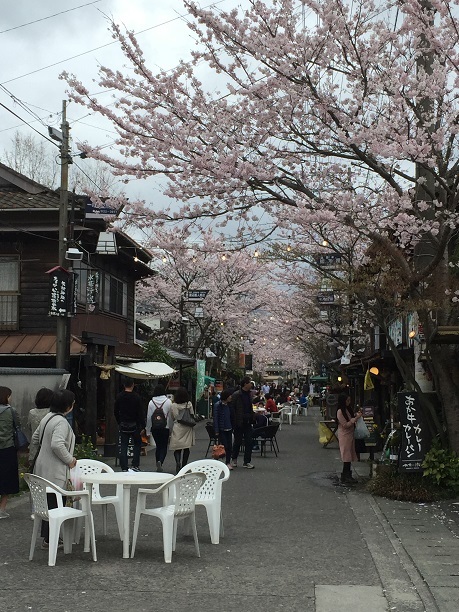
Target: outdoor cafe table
(127, 479)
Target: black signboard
(412, 449)
(93, 211)
(327, 260)
(92, 291)
(248, 362)
(60, 292)
(326, 297)
(196, 295)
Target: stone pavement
(294, 540)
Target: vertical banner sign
(200, 378)
(60, 292)
(92, 292)
(74, 294)
(412, 450)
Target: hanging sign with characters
(412, 449)
(60, 292)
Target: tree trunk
(445, 367)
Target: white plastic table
(127, 479)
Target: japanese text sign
(60, 292)
(412, 449)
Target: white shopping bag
(75, 477)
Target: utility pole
(62, 336)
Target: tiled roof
(36, 344)
(13, 199)
(45, 344)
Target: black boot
(346, 474)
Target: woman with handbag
(9, 475)
(182, 438)
(346, 424)
(51, 449)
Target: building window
(115, 295)
(9, 292)
(81, 269)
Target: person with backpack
(159, 421)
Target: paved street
(294, 540)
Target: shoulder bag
(186, 418)
(32, 463)
(20, 439)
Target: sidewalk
(423, 540)
(294, 540)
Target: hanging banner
(92, 292)
(60, 292)
(200, 378)
(412, 450)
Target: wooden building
(101, 330)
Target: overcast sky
(38, 40)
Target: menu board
(412, 450)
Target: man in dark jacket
(243, 419)
(131, 421)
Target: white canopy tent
(144, 370)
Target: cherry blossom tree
(235, 283)
(338, 120)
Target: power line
(101, 46)
(30, 126)
(49, 17)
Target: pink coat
(346, 437)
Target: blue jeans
(245, 433)
(137, 442)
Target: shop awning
(144, 370)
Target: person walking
(9, 475)
(182, 437)
(160, 427)
(346, 425)
(54, 441)
(131, 422)
(243, 419)
(223, 424)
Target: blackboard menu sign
(412, 450)
(60, 292)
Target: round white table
(127, 479)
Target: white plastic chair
(92, 466)
(59, 517)
(186, 489)
(287, 412)
(210, 494)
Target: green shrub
(441, 467)
(85, 449)
(391, 483)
